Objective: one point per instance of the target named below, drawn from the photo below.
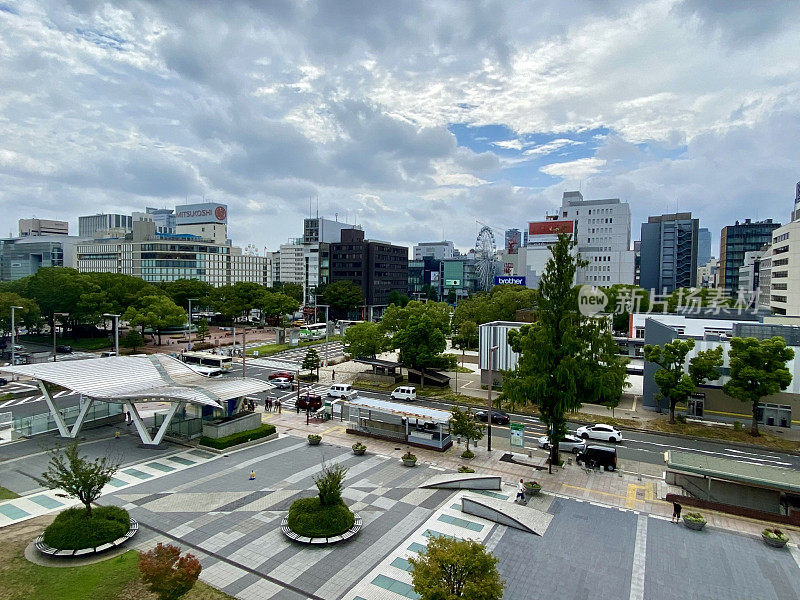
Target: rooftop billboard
(207, 212)
(551, 227)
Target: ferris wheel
(251, 250)
(485, 257)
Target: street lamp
(189, 335)
(489, 420)
(326, 307)
(54, 331)
(13, 336)
(116, 331)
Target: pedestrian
(128, 418)
(520, 491)
(333, 374)
(676, 511)
(297, 406)
(269, 404)
(252, 475)
(116, 435)
(279, 406)
(266, 400)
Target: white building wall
(785, 270)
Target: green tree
(293, 290)
(565, 357)
(430, 292)
(58, 289)
(467, 336)
(168, 574)
(420, 343)
(396, 318)
(398, 299)
(156, 313)
(227, 302)
(29, 316)
(311, 361)
(329, 484)
(624, 299)
(78, 476)
(365, 340)
(122, 291)
(758, 369)
(181, 290)
(500, 304)
(277, 304)
(133, 340)
(451, 296)
(343, 296)
(674, 384)
(450, 568)
(464, 424)
(202, 329)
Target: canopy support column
(142, 429)
(63, 430)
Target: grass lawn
(113, 579)
(6, 494)
(85, 344)
(268, 349)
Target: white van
(405, 392)
(340, 390)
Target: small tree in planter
(465, 469)
(314, 439)
(463, 424)
(168, 574)
(774, 537)
(359, 449)
(694, 520)
(532, 488)
(409, 459)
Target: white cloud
(575, 169)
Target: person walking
(676, 511)
(520, 491)
(279, 406)
(269, 402)
(333, 374)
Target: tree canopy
(181, 290)
(156, 313)
(499, 304)
(365, 340)
(467, 336)
(342, 296)
(78, 476)
(758, 369)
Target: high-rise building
(513, 240)
(703, 246)
(438, 250)
(91, 224)
(207, 220)
(735, 240)
(708, 273)
(23, 256)
(376, 267)
(749, 274)
(782, 285)
(603, 234)
(320, 229)
(669, 252)
(541, 235)
(307, 265)
(38, 227)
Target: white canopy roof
(140, 378)
(402, 410)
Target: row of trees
(757, 369)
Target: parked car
(607, 433)
(405, 392)
(281, 374)
(282, 383)
(64, 349)
(3, 381)
(570, 443)
(309, 400)
(598, 456)
(498, 417)
(340, 390)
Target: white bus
(206, 359)
(313, 332)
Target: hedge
(238, 438)
(308, 517)
(74, 530)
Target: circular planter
(359, 451)
(532, 490)
(43, 548)
(409, 463)
(314, 441)
(296, 537)
(694, 525)
(774, 542)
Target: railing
(6, 420)
(185, 428)
(44, 422)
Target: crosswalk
(28, 399)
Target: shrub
(198, 346)
(465, 469)
(74, 529)
(775, 534)
(359, 446)
(329, 484)
(695, 517)
(680, 418)
(314, 436)
(532, 484)
(468, 454)
(737, 425)
(309, 517)
(238, 438)
(409, 456)
(168, 574)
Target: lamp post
(189, 334)
(116, 331)
(489, 420)
(54, 331)
(13, 336)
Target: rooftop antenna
(318, 206)
(337, 217)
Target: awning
(403, 410)
(762, 476)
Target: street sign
(518, 434)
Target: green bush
(775, 534)
(409, 456)
(467, 454)
(238, 438)
(359, 446)
(199, 346)
(308, 517)
(73, 529)
(694, 517)
(737, 425)
(465, 469)
(680, 418)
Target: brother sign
(509, 280)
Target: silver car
(570, 443)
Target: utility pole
(116, 331)
(13, 336)
(189, 334)
(54, 332)
(244, 349)
(491, 380)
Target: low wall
(751, 513)
(728, 493)
(389, 438)
(246, 422)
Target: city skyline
(413, 120)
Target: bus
(206, 359)
(314, 332)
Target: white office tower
(603, 233)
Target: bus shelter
(414, 425)
(132, 380)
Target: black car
(64, 349)
(498, 417)
(3, 381)
(598, 456)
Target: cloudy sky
(414, 119)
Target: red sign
(219, 213)
(551, 227)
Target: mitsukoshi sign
(207, 212)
